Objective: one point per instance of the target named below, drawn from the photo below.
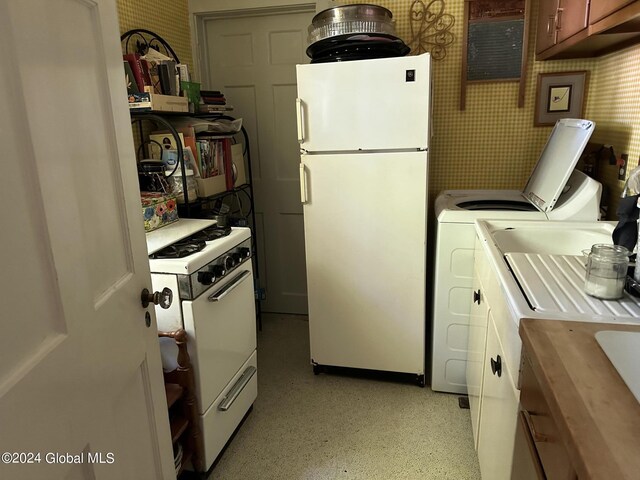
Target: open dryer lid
(559, 157)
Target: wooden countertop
(597, 415)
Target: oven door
(221, 324)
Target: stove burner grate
(193, 243)
(180, 249)
(212, 233)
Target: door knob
(163, 298)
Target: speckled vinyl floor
(329, 427)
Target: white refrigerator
(363, 129)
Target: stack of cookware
(354, 32)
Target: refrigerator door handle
(300, 120)
(303, 184)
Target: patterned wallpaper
(170, 20)
(492, 143)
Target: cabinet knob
(476, 296)
(496, 366)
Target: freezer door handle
(300, 120)
(304, 198)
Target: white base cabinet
(499, 412)
(491, 373)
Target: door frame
(197, 21)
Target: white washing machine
(554, 191)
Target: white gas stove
(210, 272)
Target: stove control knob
(228, 262)
(219, 271)
(245, 252)
(206, 278)
(237, 257)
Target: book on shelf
(166, 79)
(140, 102)
(214, 108)
(132, 85)
(136, 68)
(154, 76)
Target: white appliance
(363, 128)
(213, 302)
(554, 191)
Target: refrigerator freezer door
(380, 104)
(365, 239)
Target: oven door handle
(224, 291)
(237, 388)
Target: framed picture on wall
(559, 95)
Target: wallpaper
(170, 20)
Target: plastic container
(606, 271)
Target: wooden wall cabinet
(583, 28)
(602, 8)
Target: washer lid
(560, 155)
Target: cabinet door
(571, 18)
(475, 352)
(546, 36)
(601, 8)
(499, 412)
(526, 463)
(542, 427)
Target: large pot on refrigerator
(354, 32)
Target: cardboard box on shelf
(211, 186)
(158, 210)
(169, 103)
(146, 100)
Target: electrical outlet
(622, 166)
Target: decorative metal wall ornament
(430, 28)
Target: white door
(81, 392)
(252, 60)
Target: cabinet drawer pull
(476, 296)
(537, 437)
(496, 366)
(237, 388)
